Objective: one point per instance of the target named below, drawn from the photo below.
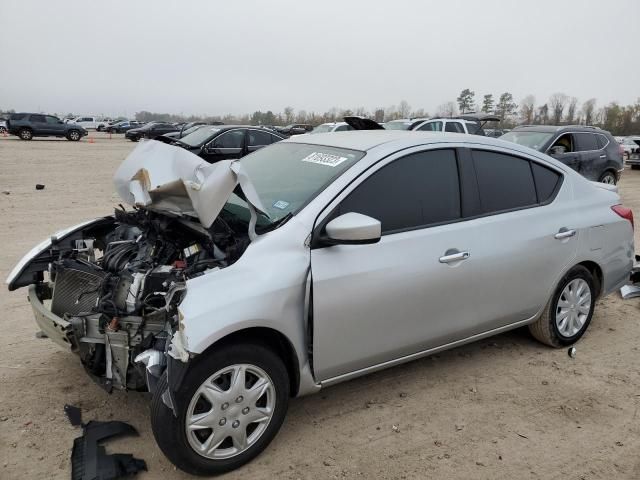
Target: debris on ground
(89, 460)
(572, 352)
(6, 192)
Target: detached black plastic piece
(74, 414)
(89, 460)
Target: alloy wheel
(230, 411)
(573, 307)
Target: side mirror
(558, 150)
(353, 229)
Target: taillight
(624, 212)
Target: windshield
(393, 125)
(287, 176)
(534, 140)
(322, 128)
(191, 130)
(198, 136)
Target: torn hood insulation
(172, 179)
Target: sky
(213, 57)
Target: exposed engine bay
(116, 284)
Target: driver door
(227, 145)
(570, 157)
(378, 302)
(54, 125)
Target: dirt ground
(502, 408)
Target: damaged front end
(109, 289)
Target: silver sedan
(316, 260)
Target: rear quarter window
(547, 181)
(17, 116)
(603, 141)
(505, 182)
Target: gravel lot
(502, 408)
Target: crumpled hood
(172, 179)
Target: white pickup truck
(94, 123)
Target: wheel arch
(596, 273)
(270, 338)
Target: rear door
(592, 159)
(522, 238)
(39, 125)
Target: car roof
(364, 140)
(558, 128)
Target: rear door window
(417, 190)
(586, 142)
(455, 127)
(505, 182)
(257, 138)
(37, 118)
(431, 127)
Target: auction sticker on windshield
(324, 159)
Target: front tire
(566, 317)
(231, 404)
(73, 135)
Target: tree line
(558, 109)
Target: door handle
(453, 256)
(603, 156)
(564, 233)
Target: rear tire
(220, 415)
(608, 177)
(25, 134)
(549, 328)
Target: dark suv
(29, 125)
(590, 151)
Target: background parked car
(3, 125)
(150, 130)
(29, 125)
(332, 127)
(185, 130)
(590, 151)
(122, 127)
(105, 123)
(222, 142)
(633, 158)
(295, 129)
(400, 124)
(88, 123)
(629, 145)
